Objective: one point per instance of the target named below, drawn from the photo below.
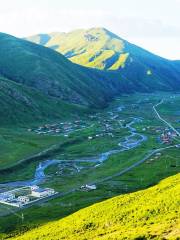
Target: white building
(42, 192)
(91, 187)
(23, 199)
(4, 197)
(88, 187)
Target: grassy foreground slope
(148, 214)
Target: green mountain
(99, 48)
(51, 73)
(46, 76)
(147, 214)
(21, 105)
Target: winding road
(149, 154)
(162, 119)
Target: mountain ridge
(99, 30)
(43, 69)
(100, 49)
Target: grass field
(17, 144)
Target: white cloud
(140, 27)
(129, 20)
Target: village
(109, 125)
(63, 128)
(66, 128)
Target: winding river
(126, 145)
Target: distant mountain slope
(39, 68)
(51, 73)
(95, 47)
(101, 49)
(21, 105)
(147, 214)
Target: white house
(23, 199)
(88, 187)
(42, 192)
(91, 187)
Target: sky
(151, 24)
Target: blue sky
(152, 24)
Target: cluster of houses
(61, 128)
(14, 198)
(65, 128)
(107, 128)
(167, 136)
(101, 135)
(157, 156)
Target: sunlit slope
(96, 47)
(149, 214)
(101, 49)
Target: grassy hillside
(21, 105)
(51, 73)
(22, 108)
(147, 214)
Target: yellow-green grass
(147, 214)
(120, 62)
(87, 53)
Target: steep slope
(147, 214)
(99, 48)
(21, 105)
(33, 67)
(96, 47)
(51, 73)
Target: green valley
(121, 150)
(87, 118)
